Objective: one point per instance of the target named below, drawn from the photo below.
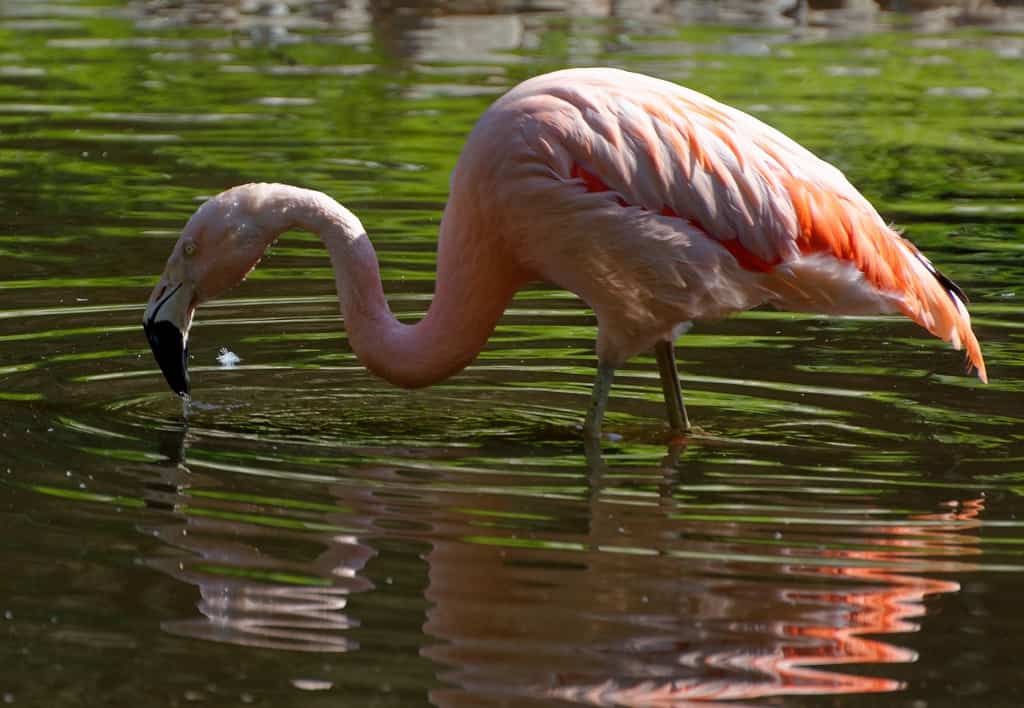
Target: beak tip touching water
(170, 352)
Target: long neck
(474, 285)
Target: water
(845, 522)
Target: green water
(843, 529)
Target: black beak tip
(170, 352)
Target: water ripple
(844, 519)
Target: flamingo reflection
(602, 600)
(645, 621)
(249, 596)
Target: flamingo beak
(166, 323)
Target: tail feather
(939, 305)
(833, 218)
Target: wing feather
(760, 195)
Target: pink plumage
(655, 204)
(654, 174)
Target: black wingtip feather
(951, 287)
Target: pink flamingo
(655, 204)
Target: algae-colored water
(843, 530)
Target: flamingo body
(655, 204)
(658, 205)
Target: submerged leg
(599, 400)
(675, 407)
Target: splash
(227, 358)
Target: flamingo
(653, 203)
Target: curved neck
(474, 286)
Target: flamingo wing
(777, 208)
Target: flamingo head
(219, 245)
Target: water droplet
(312, 684)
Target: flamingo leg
(675, 407)
(599, 400)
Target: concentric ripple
(845, 519)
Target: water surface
(841, 528)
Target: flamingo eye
(189, 248)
